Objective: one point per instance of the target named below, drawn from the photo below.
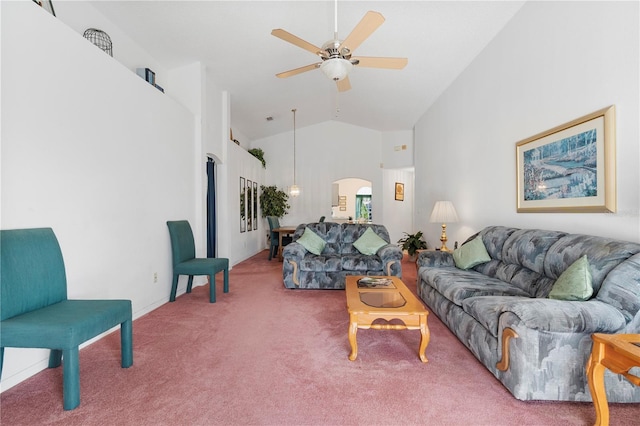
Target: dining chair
(35, 311)
(274, 223)
(185, 262)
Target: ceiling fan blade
(287, 36)
(367, 25)
(374, 62)
(296, 71)
(344, 84)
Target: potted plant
(273, 201)
(259, 154)
(411, 243)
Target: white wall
(91, 150)
(325, 152)
(398, 214)
(552, 63)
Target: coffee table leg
(353, 329)
(425, 337)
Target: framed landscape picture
(570, 168)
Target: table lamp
(443, 212)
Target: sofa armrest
(389, 252)
(563, 316)
(435, 259)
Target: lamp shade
(443, 212)
(336, 68)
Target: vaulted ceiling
(232, 39)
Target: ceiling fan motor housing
(336, 64)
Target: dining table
(283, 231)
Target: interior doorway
(351, 200)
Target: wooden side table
(617, 352)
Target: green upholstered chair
(35, 311)
(185, 262)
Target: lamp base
(443, 239)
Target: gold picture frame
(570, 168)
(399, 191)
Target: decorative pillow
(311, 241)
(574, 283)
(471, 254)
(369, 243)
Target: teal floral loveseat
(537, 346)
(338, 257)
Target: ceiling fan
(336, 55)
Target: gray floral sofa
(536, 346)
(339, 258)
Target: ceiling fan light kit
(336, 69)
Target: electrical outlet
(155, 277)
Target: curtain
(211, 208)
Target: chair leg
(71, 378)
(126, 343)
(55, 358)
(226, 280)
(190, 284)
(212, 288)
(174, 288)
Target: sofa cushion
(369, 242)
(311, 241)
(604, 254)
(574, 283)
(621, 289)
(528, 248)
(458, 284)
(546, 314)
(321, 263)
(359, 262)
(471, 254)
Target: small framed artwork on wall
(399, 191)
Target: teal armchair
(35, 311)
(185, 262)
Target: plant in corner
(273, 201)
(412, 243)
(259, 154)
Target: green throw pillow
(574, 283)
(311, 241)
(471, 254)
(369, 243)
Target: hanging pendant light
(294, 190)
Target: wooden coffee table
(366, 305)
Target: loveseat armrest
(389, 253)
(435, 259)
(563, 316)
(294, 251)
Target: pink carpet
(267, 355)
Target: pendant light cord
(294, 145)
